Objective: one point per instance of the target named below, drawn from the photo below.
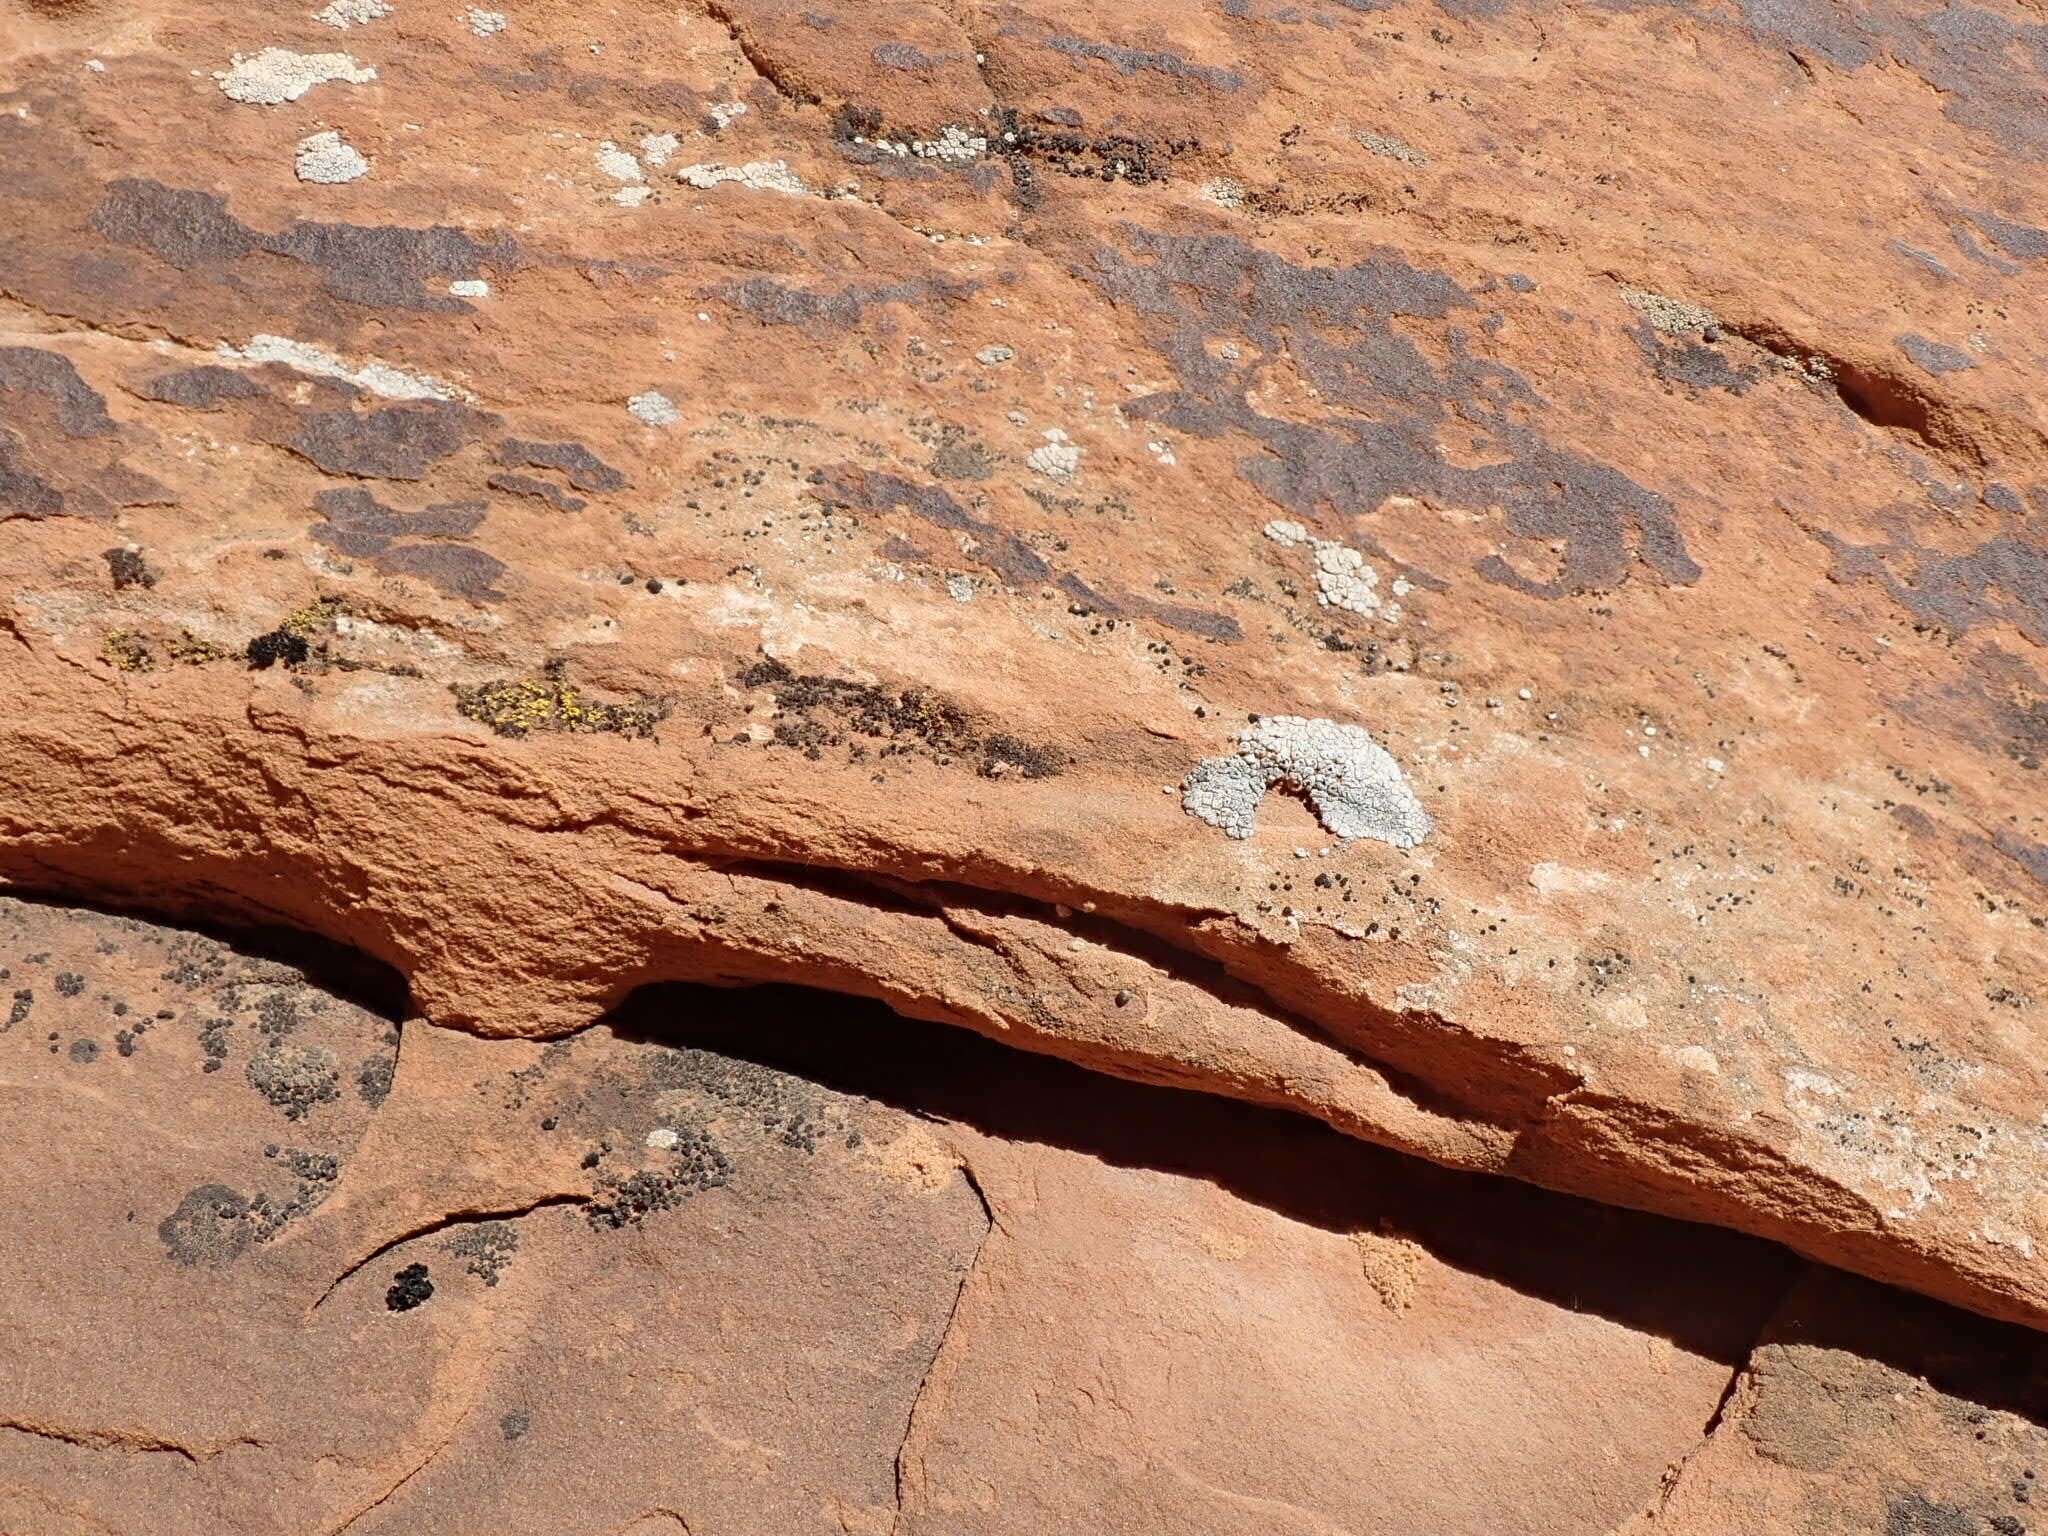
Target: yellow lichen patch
(521, 706)
(315, 616)
(125, 649)
(191, 651)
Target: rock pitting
(1445, 605)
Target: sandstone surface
(1468, 575)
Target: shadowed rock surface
(1466, 576)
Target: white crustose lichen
(1351, 782)
(277, 75)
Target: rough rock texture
(772, 492)
(884, 1277)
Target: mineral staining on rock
(1353, 784)
(277, 75)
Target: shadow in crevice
(1707, 1290)
(333, 967)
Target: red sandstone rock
(626, 538)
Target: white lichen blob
(755, 175)
(1351, 782)
(344, 14)
(654, 408)
(329, 159)
(277, 75)
(1056, 458)
(378, 378)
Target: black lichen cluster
(485, 1249)
(128, 568)
(698, 1164)
(410, 1288)
(814, 712)
(1028, 145)
(279, 646)
(295, 1078)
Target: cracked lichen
(1354, 786)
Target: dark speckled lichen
(522, 706)
(814, 712)
(127, 568)
(210, 1227)
(296, 1078)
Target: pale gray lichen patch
(1390, 148)
(1351, 782)
(344, 14)
(278, 75)
(1343, 579)
(659, 148)
(378, 378)
(756, 175)
(1055, 458)
(329, 159)
(484, 23)
(617, 163)
(654, 408)
(469, 288)
(1669, 316)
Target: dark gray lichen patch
(1200, 299)
(417, 543)
(24, 493)
(873, 491)
(393, 442)
(1696, 361)
(697, 1163)
(813, 713)
(81, 409)
(2003, 580)
(584, 469)
(1935, 357)
(127, 568)
(1131, 61)
(383, 267)
(775, 303)
(373, 1080)
(214, 1225)
(295, 1078)
(206, 388)
(210, 1227)
(537, 489)
(358, 524)
(485, 1248)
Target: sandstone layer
(1467, 572)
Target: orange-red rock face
(1471, 573)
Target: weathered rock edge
(524, 890)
